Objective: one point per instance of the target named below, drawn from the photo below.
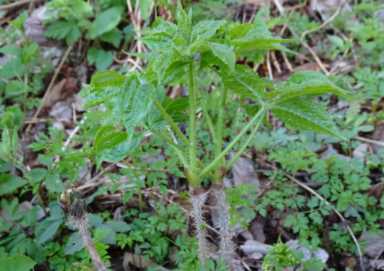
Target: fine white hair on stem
(198, 200)
(226, 247)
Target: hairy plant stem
(171, 122)
(219, 138)
(226, 246)
(242, 148)
(246, 128)
(82, 226)
(192, 132)
(198, 199)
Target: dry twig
(50, 87)
(14, 5)
(321, 65)
(371, 141)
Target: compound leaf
(305, 114)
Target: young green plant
(201, 59)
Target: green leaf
(15, 88)
(248, 45)
(306, 84)
(184, 20)
(102, 59)
(106, 79)
(63, 30)
(204, 30)
(225, 53)
(105, 22)
(305, 114)
(16, 263)
(54, 183)
(113, 37)
(253, 37)
(74, 244)
(9, 144)
(47, 228)
(9, 184)
(107, 137)
(245, 83)
(146, 8)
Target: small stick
(275, 62)
(302, 41)
(50, 86)
(287, 63)
(316, 58)
(279, 6)
(371, 141)
(326, 22)
(14, 5)
(72, 134)
(269, 68)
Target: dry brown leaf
(373, 244)
(34, 28)
(326, 8)
(55, 94)
(244, 173)
(378, 135)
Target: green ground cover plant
(180, 54)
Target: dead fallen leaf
(251, 246)
(361, 151)
(373, 244)
(62, 112)
(378, 135)
(312, 66)
(244, 173)
(34, 28)
(377, 264)
(326, 8)
(257, 230)
(319, 254)
(55, 94)
(380, 15)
